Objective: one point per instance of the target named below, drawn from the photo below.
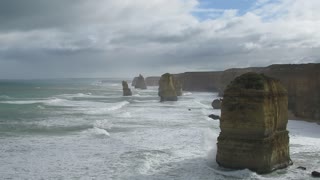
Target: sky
(122, 38)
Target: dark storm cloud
(82, 38)
(38, 14)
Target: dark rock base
(260, 155)
(315, 174)
(175, 98)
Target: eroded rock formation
(126, 89)
(253, 125)
(167, 91)
(302, 82)
(216, 104)
(140, 83)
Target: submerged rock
(140, 83)
(167, 90)
(302, 168)
(216, 104)
(126, 89)
(213, 116)
(315, 174)
(253, 125)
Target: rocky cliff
(253, 125)
(200, 81)
(302, 82)
(152, 80)
(167, 91)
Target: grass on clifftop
(249, 80)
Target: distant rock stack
(167, 91)
(253, 125)
(126, 89)
(140, 83)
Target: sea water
(86, 129)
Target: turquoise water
(25, 104)
(86, 129)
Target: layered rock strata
(253, 125)
(140, 83)
(302, 82)
(167, 91)
(177, 86)
(126, 89)
(152, 80)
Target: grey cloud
(80, 38)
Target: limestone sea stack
(167, 90)
(177, 86)
(140, 83)
(253, 125)
(126, 89)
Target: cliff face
(167, 91)
(200, 81)
(303, 85)
(302, 82)
(253, 125)
(152, 81)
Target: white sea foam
(5, 97)
(124, 115)
(115, 84)
(138, 131)
(202, 105)
(75, 95)
(105, 109)
(145, 101)
(187, 94)
(103, 124)
(40, 107)
(98, 132)
(23, 102)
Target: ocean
(86, 129)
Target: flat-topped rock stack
(253, 125)
(140, 83)
(167, 91)
(126, 89)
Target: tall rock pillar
(253, 125)
(167, 91)
(126, 89)
(140, 83)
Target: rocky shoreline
(302, 82)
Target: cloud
(67, 38)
